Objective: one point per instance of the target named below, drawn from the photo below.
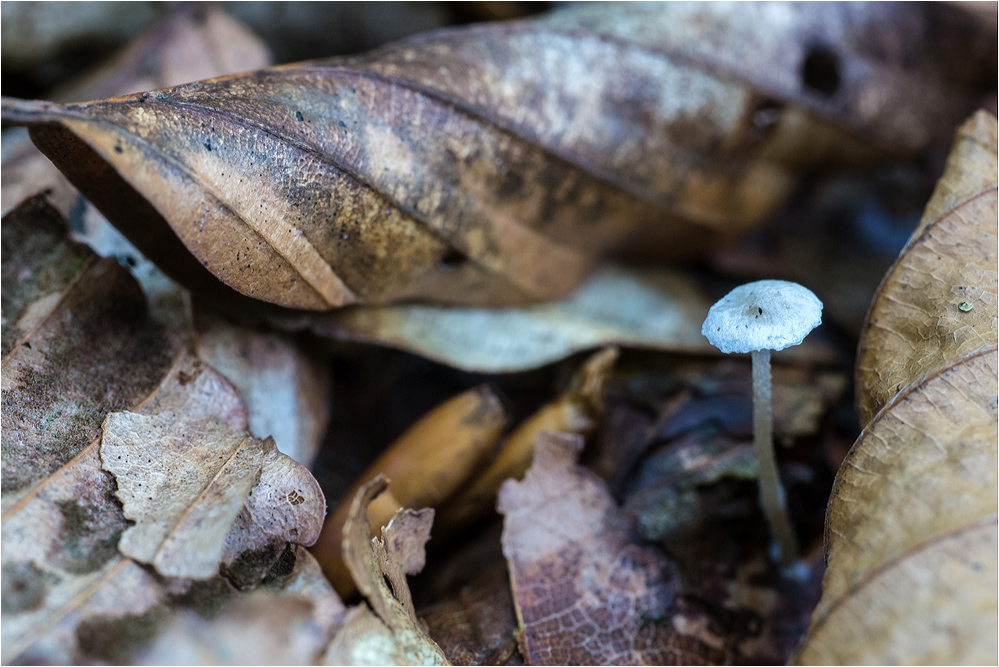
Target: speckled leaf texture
(492, 164)
(911, 527)
(584, 592)
(916, 324)
(78, 344)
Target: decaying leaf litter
(666, 434)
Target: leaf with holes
(911, 527)
(491, 164)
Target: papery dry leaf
(388, 632)
(617, 306)
(81, 345)
(584, 592)
(288, 621)
(189, 44)
(428, 462)
(916, 324)
(61, 562)
(911, 529)
(287, 391)
(578, 409)
(181, 523)
(470, 169)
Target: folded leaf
(387, 632)
(490, 165)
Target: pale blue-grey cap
(765, 315)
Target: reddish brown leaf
(585, 593)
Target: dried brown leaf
(487, 165)
(82, 345)
(428, 462)
(181, 525)
(61, 564)
(917, 324)
(578, 409)
(585, 593)
(76, 345)
(911, 527)
(387, 632)
(189, 44)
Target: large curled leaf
(911, 532)
(939, 300)
(489, 165)
(189, 44)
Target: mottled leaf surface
(489, 165)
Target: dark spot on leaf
(451, 260)
(208, 145)
(25, 586)
(299, 116)
(820, 71)
(117, 149)
(114, 639)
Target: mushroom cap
(765, 315)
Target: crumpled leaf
(181, 523)
(911, 530)
(462, 164)
(584, 592)
(428, 462)
(916, 323)
(387, 632)
(81, 345)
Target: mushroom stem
(771, 491)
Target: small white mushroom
(756, 318)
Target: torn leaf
(387, 632)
